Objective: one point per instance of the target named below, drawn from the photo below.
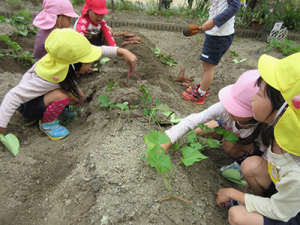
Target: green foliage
(291, 14)
(25, 58)
(22, 22)
(14, 4)
(167, 60)
(234, 54)
(78, 2)
(190, 153)
(110, 85)
(288, 47)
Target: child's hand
(166, 146)
(223, 195)
(2, 130)
(130, 58)
(208, 25)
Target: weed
(14, 4)
(22, 22)
(199, 39)
(167, 60)
(234, 54)
(25, 58)
(288, 47)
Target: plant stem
(173, 170)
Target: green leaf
(191, 155)
(104, 60)
(157, 138)
(109, 85)
(212, 143)
(122, 106)
(175, 146)
(146, 112)
(230, 136)
(157, 102)
(201, 126)
(219, 130)
(196, 145)
(148, 149)
(163, 107)
(161, 161)
(103, 99)
(192, 138)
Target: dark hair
(69, 84)
(251, 138)
(276, 100)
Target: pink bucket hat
(98, 6)
(47, 18)
(236, 98)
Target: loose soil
(96, 175)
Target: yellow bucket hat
(65, 47)
(284, 75)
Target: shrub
(14, 4)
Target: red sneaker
(190, 89)
(193, 96)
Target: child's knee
(60, 94)
(250, 164)
(235, 215)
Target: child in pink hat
(56, 14)
(92, 25)
(234, 113)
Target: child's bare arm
(2, 130)
(226, 194)
(130, 58)
(166, 146)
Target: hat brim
(71, 14)
(101, 12)
(288, 124)
(92, 56)
(44, 20)
(266, 67)
(231, 105)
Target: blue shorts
(34, 109)
(267, 221)
(215, 47)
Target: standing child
(50, 85)
(92, 25)
(274, 181)
(235, 114)
(219, 31)
(56, 14)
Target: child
(92, 25)
(235, 114)
(56, 14)
(219, 31)
(275, 180)
(50, 84)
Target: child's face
(262, 107)
(64, 21)
(84, 68)
(240, 119)
(96, 18)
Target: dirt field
(96, 175)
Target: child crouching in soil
(56, 14)
(235, 114)
(274, 181)
(50, 85)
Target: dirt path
(95, 175)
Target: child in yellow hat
(50, 85)
(274, 181)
